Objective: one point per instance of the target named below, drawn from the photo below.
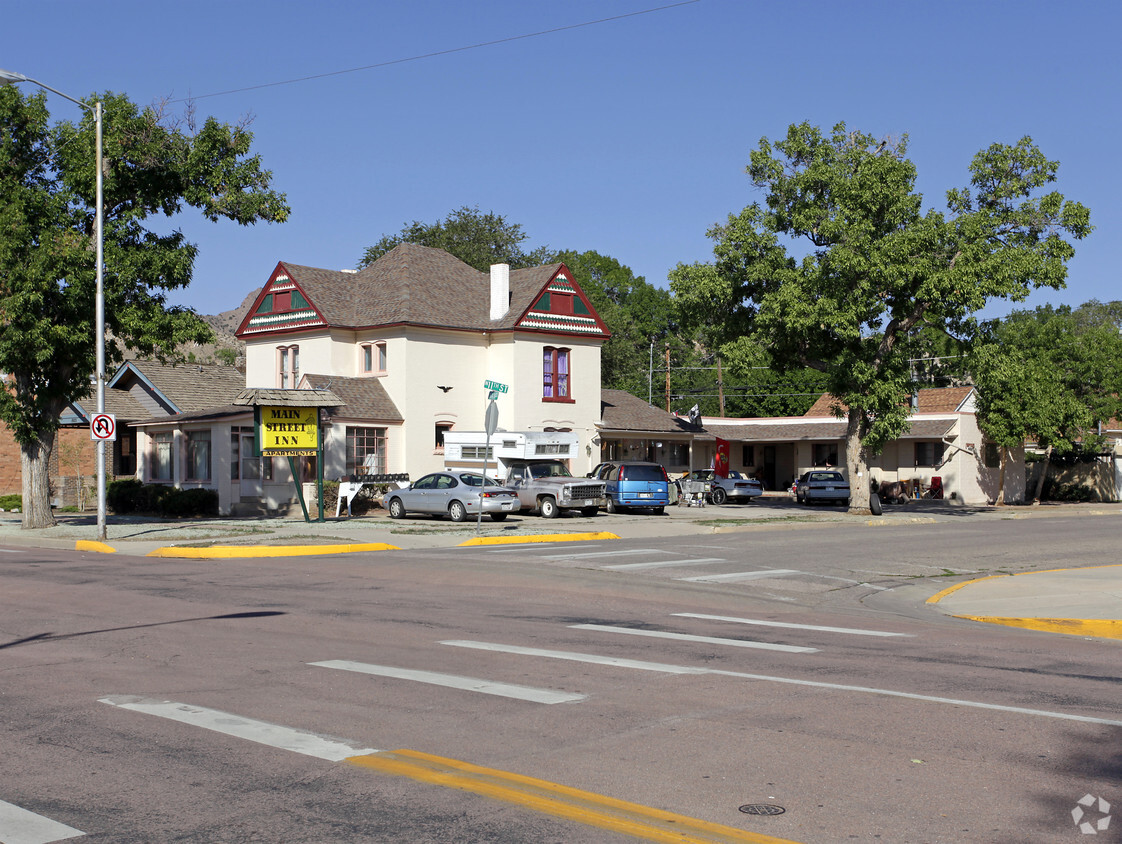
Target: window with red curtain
(555, 375)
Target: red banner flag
(721, 461)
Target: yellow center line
(558, 800)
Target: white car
(736, 487)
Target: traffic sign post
(103, 427)
(490, 425)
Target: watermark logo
(1089, 819)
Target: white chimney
(500, 290)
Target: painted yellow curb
(938, 596)
(228, 551)
(550, 798)
(549, 537)
(1101, 629)
(90, 545)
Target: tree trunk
(1000, 500)
(35, 461)
(857, 464)
(1043, 476)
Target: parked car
(819, 485)
(453, 494)
(548, 487)
(736, 487)
(633, 484)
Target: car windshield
(833, 477)
(549, 470)
(736, 476)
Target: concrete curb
(89, 545)
(549, 537)
(1091, 627)
(231, 551)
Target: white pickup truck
(548, 487)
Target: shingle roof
(931, 400)
(418, 285)
(818, 428)
(197, 415)
(365, 398)
(621, 411)
(186, 386)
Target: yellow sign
(289, 430)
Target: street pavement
(1077, 601)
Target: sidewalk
(1085, 602)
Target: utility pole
(720, 387)
(667, 377)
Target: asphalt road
(793, 668)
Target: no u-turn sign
(103, 426)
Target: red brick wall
(74, 454)
(9, 462)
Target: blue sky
(628, 136)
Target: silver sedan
(453, 494)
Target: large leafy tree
(477, 239)
(1051, 375)
(840, 270)
(154, 168)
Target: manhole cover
(762, 809)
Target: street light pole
(9, 77)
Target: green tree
(872, 270)
(477, 239)
(154, 167)
(1051, 375)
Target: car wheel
(549, 508)
(457, 512)
(397, 509)
(498, 517)
(589, 512)
(719, 496)
(658, 511)
(612, 507)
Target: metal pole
(100, 319)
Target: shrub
(131, 496)
(1067, 492)
(11, 502)
(177, 503)
(123, 496)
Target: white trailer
(466, 449)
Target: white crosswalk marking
(262, 732)
(19, 826)
(573, 656)
(790, 625)
(626, 553)
(455, 681)
(737, 576)
(687, 637)
(816, 684)
(698, 561)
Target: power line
(436, 53)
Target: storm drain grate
(762, 809)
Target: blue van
(634, 485)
